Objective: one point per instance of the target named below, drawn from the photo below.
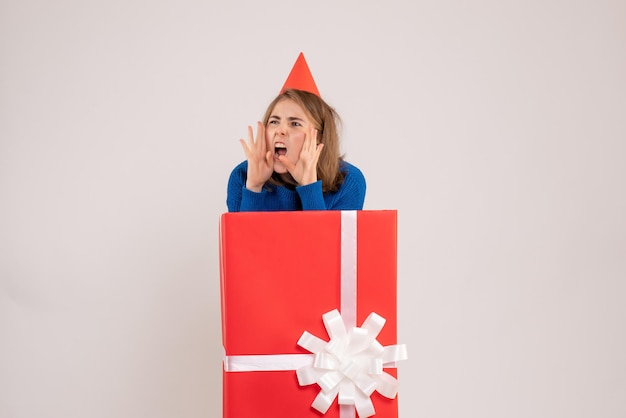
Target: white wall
(496, 128)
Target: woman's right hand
(260, 159)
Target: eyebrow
(289, 118)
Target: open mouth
(280, 149)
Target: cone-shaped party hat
(300, 78)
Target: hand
(304, 171)
(260, 159)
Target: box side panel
(377, 270)
(281, 273)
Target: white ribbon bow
(350, 365)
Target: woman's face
(285, 132)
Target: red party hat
(300, 78)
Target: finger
(246, 150)
(250, 136)
(313, 141)
(314, 136)
(316, 156)
(260, 136)
(288, 164)
(318, 152)
(305, 147)
(309, 143)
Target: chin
(279, 168)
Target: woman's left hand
(304, 171)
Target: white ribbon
(274, 362)
(350, 365)
(348, 267)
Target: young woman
(294, 162)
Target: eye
(294, 123)
(273, 122)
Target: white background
(496, 128)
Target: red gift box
(280, 271)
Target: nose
(281, 130)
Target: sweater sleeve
(239, 198)
(311, 196)
(253, 201)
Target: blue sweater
(350, 196)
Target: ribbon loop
(310, 342)
(393, 353)
(375, 366)
(374, 323)
(334, 324)
(308, 375)
(364, 406)
(387, 385)
(324, 400)
(347, 394)
(360, 339)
